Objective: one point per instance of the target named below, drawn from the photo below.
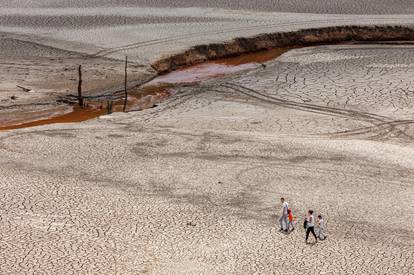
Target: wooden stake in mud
(125, 87)
(80, 98)
(109, 107)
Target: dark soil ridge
(304, 37)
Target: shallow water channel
(148, 95)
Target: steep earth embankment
(305, 37)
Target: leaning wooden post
(80, 98)
(125, 86)
(109, 106)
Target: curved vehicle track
(382, 126)
(170, 39)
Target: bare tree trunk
(80, 98)
(126, 79)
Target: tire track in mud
(382, 127)
(152, 42)
(170, 104)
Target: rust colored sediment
(263, 42)
(146, 99)
(77, 115)
(255, 57)
(217, 68)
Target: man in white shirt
(284, 215)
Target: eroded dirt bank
(306, 37)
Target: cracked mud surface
(192, 186)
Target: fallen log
(23, 88)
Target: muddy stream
(148, 95)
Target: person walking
(284, 216)
(321, 228)
(310, 226)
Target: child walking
(321, 228)
(290, 220)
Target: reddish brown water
(221, 67)
(147, 98)
(158, 89)
(77, 115)
(258, 57)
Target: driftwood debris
(23, 88)
(114, 94)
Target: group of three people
(286, 219)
